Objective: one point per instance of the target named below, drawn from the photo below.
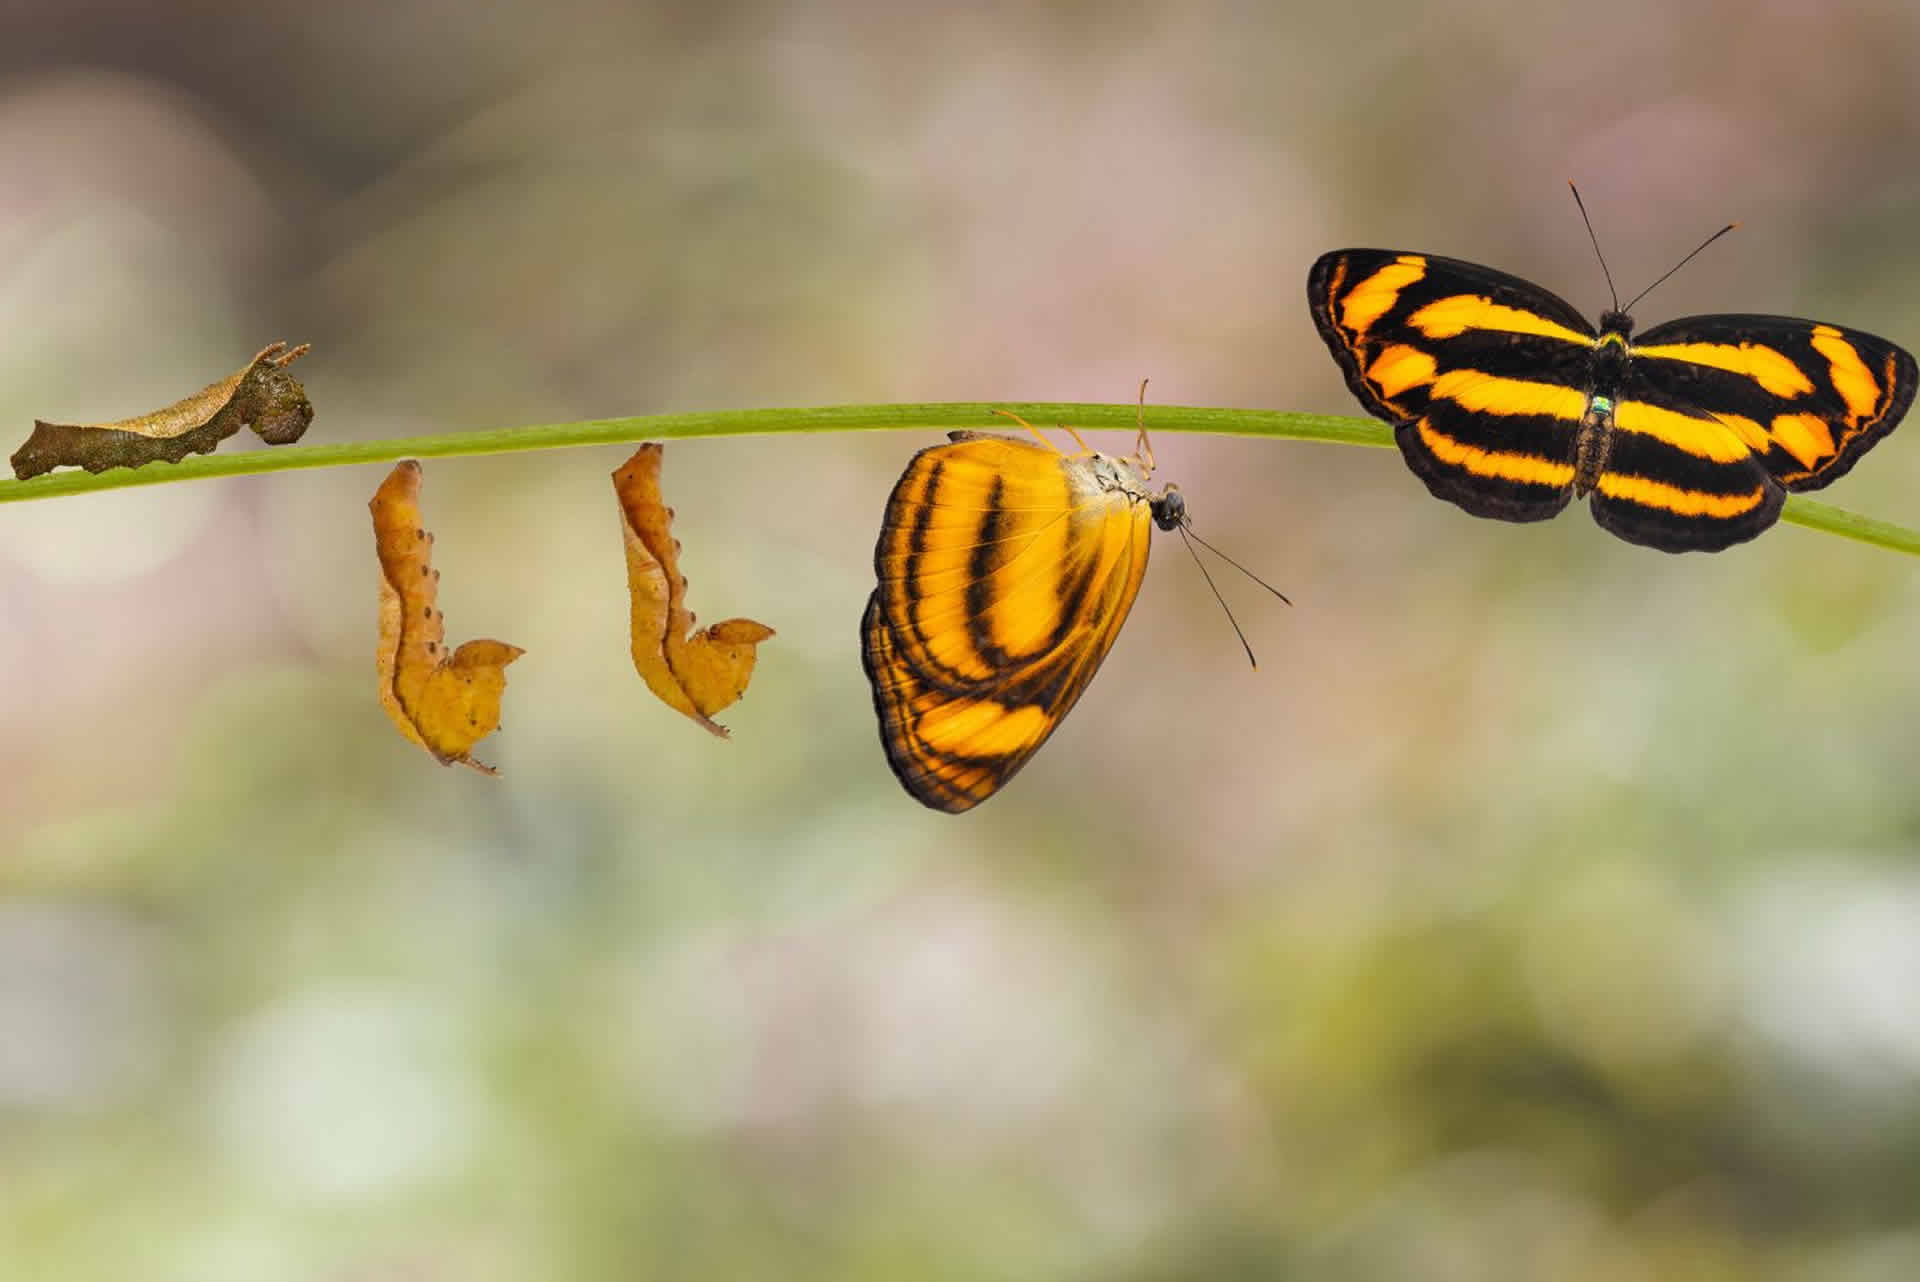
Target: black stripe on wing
(1510, 467)
(1660, 496)
(1822, 394)
(1364, 301)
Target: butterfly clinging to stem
(1509, 404)
(1005, 568)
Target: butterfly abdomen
(1592, 443)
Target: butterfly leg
(1036, 431)
(1142, 444)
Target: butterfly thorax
(1593, 440)
(1127, 476)
(1110, 473)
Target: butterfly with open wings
(1508, 403)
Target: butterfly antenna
(1187, 528)
(1216, 596)
(1682, 263)
(1596, 246)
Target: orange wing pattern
(1005, 571)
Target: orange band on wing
(1451, 317)
(1398, 368)
(1375, 296)
(1805, 436)
(1720, 439)
(1851, 377)
(1763, 365)
(1485, 394)
(1670, 498)
(1527, 468)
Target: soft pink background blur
(1540, 909)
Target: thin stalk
(1269, 424)
(662, 427)
(1815, 515)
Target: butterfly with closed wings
(1005, 568)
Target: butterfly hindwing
(1681, 480)
(1005, 571)
(1497, 447)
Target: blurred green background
(1543, 908)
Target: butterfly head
(1169, 508)
(1615, 321)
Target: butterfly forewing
(1507, 403)
(1479, 371)
(1394, 321)
(1005, 571)
(1809, 398)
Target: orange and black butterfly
(1006, 568)
(1506, 402)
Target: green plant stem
(1270, 424)
(1815, 515)
(663, 427)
